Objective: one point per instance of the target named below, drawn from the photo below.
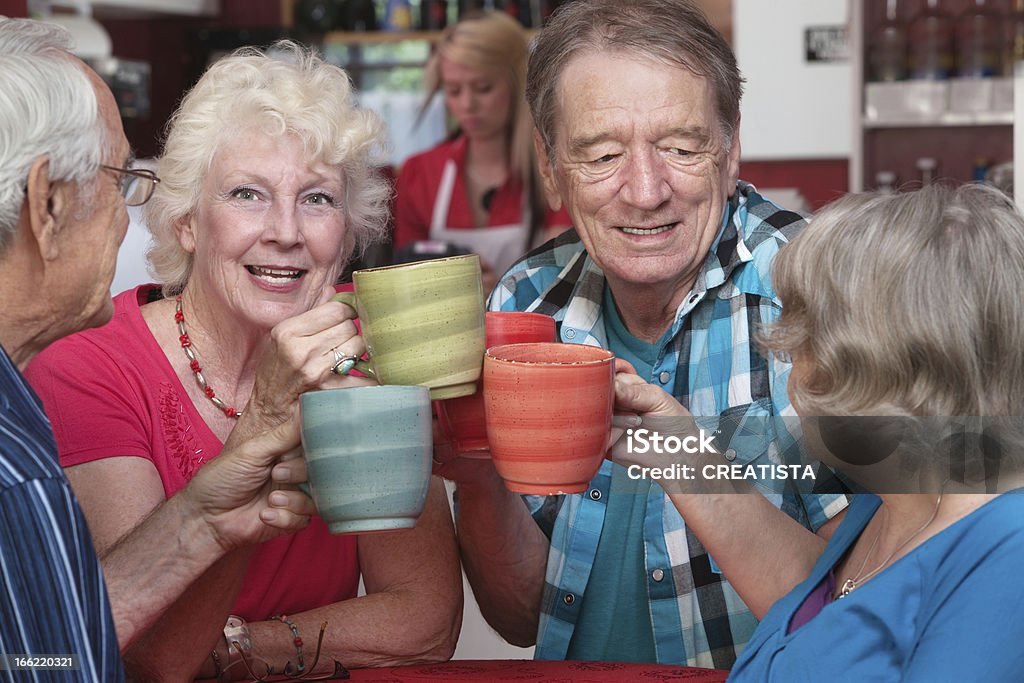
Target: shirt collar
(732, 247)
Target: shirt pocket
(744, 433)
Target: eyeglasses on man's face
(137, 184)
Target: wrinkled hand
(635, 396)
(299, 359)
(653, 409)
(237, 494)
(636, 401)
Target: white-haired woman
(904, 319)
(478, 190)
(266, 191)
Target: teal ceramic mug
(368, 453)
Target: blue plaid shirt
(711, 367)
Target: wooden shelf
(374, 37)
(945, 121)
(364, 38)
(149, 9)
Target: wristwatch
(236, 633)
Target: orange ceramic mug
(548, 409)
(462, 419)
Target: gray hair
(672, 31)
(288, 90)
(907, 304)
(47, 108)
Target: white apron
(499, 246)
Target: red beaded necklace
(193, 362)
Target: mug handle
(349, 298)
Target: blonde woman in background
(479, 189)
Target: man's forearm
(151, 566)
(504, 554)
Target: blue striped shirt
(710, 364)
(52, 597)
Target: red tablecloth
(499, 670)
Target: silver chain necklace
(855, 581)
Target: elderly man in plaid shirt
(637, 110)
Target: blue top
(617, 627)
(52, 597)
(711, 365)
(949, 610)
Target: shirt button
(730, 454)
(694, 297)
(664, 377)
(570, 333)
(595, 494)
(658, 574)
(569, 598)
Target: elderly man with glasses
(65, 179)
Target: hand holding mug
(641, 405)
(237, 496)
(299, 358)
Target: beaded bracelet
(295, 639)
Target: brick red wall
(168, 44)
(14, 8)
(819, 180)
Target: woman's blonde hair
(907, 304)
(287, 90)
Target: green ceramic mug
(423, 323)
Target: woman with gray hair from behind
(266, 191)
(902, 311)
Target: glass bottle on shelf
(930, 43)
(433, 14)
(398, 15)
(517, 9)
(977, 38)
(980, 168)
(361, 15)
(316, 17)
(1013, 40)
(926, 167)
(887, 47)
(885, 182)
